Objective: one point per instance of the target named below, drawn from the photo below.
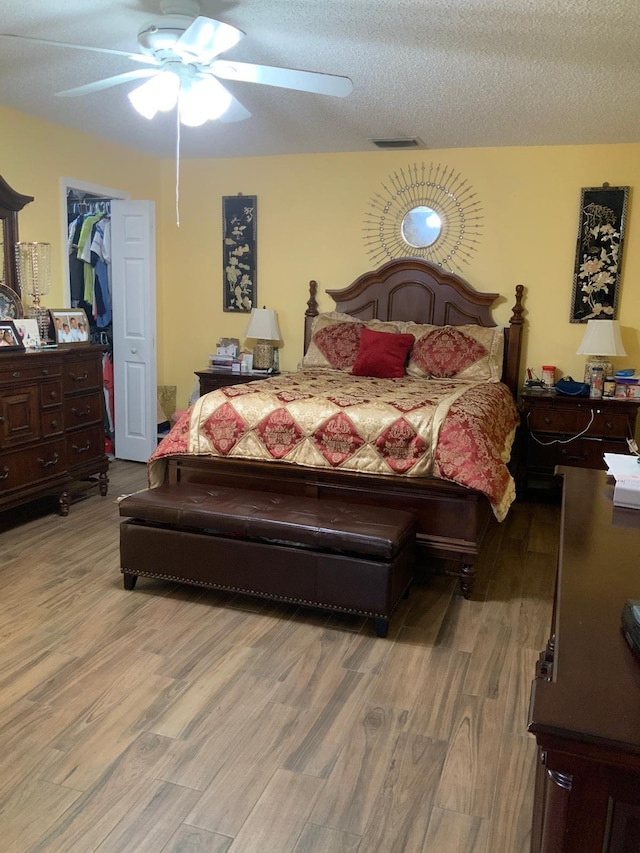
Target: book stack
(225, 363)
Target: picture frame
(10, 340)
(598, 260)
(28, 332)
(69, 326)
(239, 253)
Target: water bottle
(596, 383)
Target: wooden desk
(585, 701)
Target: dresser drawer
(85, 446)
(32, 465)
(51, 393)
(52, 422)
(82, 375)
(25, 373)
(83, 410)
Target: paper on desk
(623, 467)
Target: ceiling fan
(182, 49)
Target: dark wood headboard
(414, 289)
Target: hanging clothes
(101, 262)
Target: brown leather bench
(320, 553)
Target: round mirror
(421, 227)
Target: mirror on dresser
(11, 203)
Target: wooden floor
(175, 719)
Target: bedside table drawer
(574, 421)
(579, 453)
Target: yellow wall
(311, 212)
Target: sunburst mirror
(427, 212)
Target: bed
(335, 449)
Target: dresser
(577, 431)
(585, 699)
(51, 424)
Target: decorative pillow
(335, 339)
(456, 352)
(382, 354)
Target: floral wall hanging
(239, 252)
(596, 277)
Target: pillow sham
(382, 354)
(456, 352)
(335, 339)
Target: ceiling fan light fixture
(202, 99)
(159, 94)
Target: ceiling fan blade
(235, 112)
(108, 82)
(205, 38)
(137, 57)
(286, 78)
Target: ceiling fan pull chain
(178, 164)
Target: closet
(121, 252)
(90, 283)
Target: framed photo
(239, 252)
(28, 332)
(596, 276)
(69, 325)
(9, 337)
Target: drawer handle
(2, 420)
(79, 377)
(81, 413)
(16, 374)
(45, 372)
(608, 425)
(77, 449)
(5, 473)
(547, 419)
(574, 457)
(53, 395)
(50, 462)
(54, 424)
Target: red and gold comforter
(408, 427)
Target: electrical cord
(562, 440)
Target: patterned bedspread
(408, 427)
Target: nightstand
(211, 380)
(576, 431)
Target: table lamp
(263, 325)
(601, 338)
(33, 264)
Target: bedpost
(511, 372)
(311, 313)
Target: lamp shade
(159, 93)
(263, 325)
(602, 337)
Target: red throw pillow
(382, 354)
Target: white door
(133, 283)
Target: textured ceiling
(455, 73)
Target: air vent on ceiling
(399, 142)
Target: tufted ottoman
(319, 553)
